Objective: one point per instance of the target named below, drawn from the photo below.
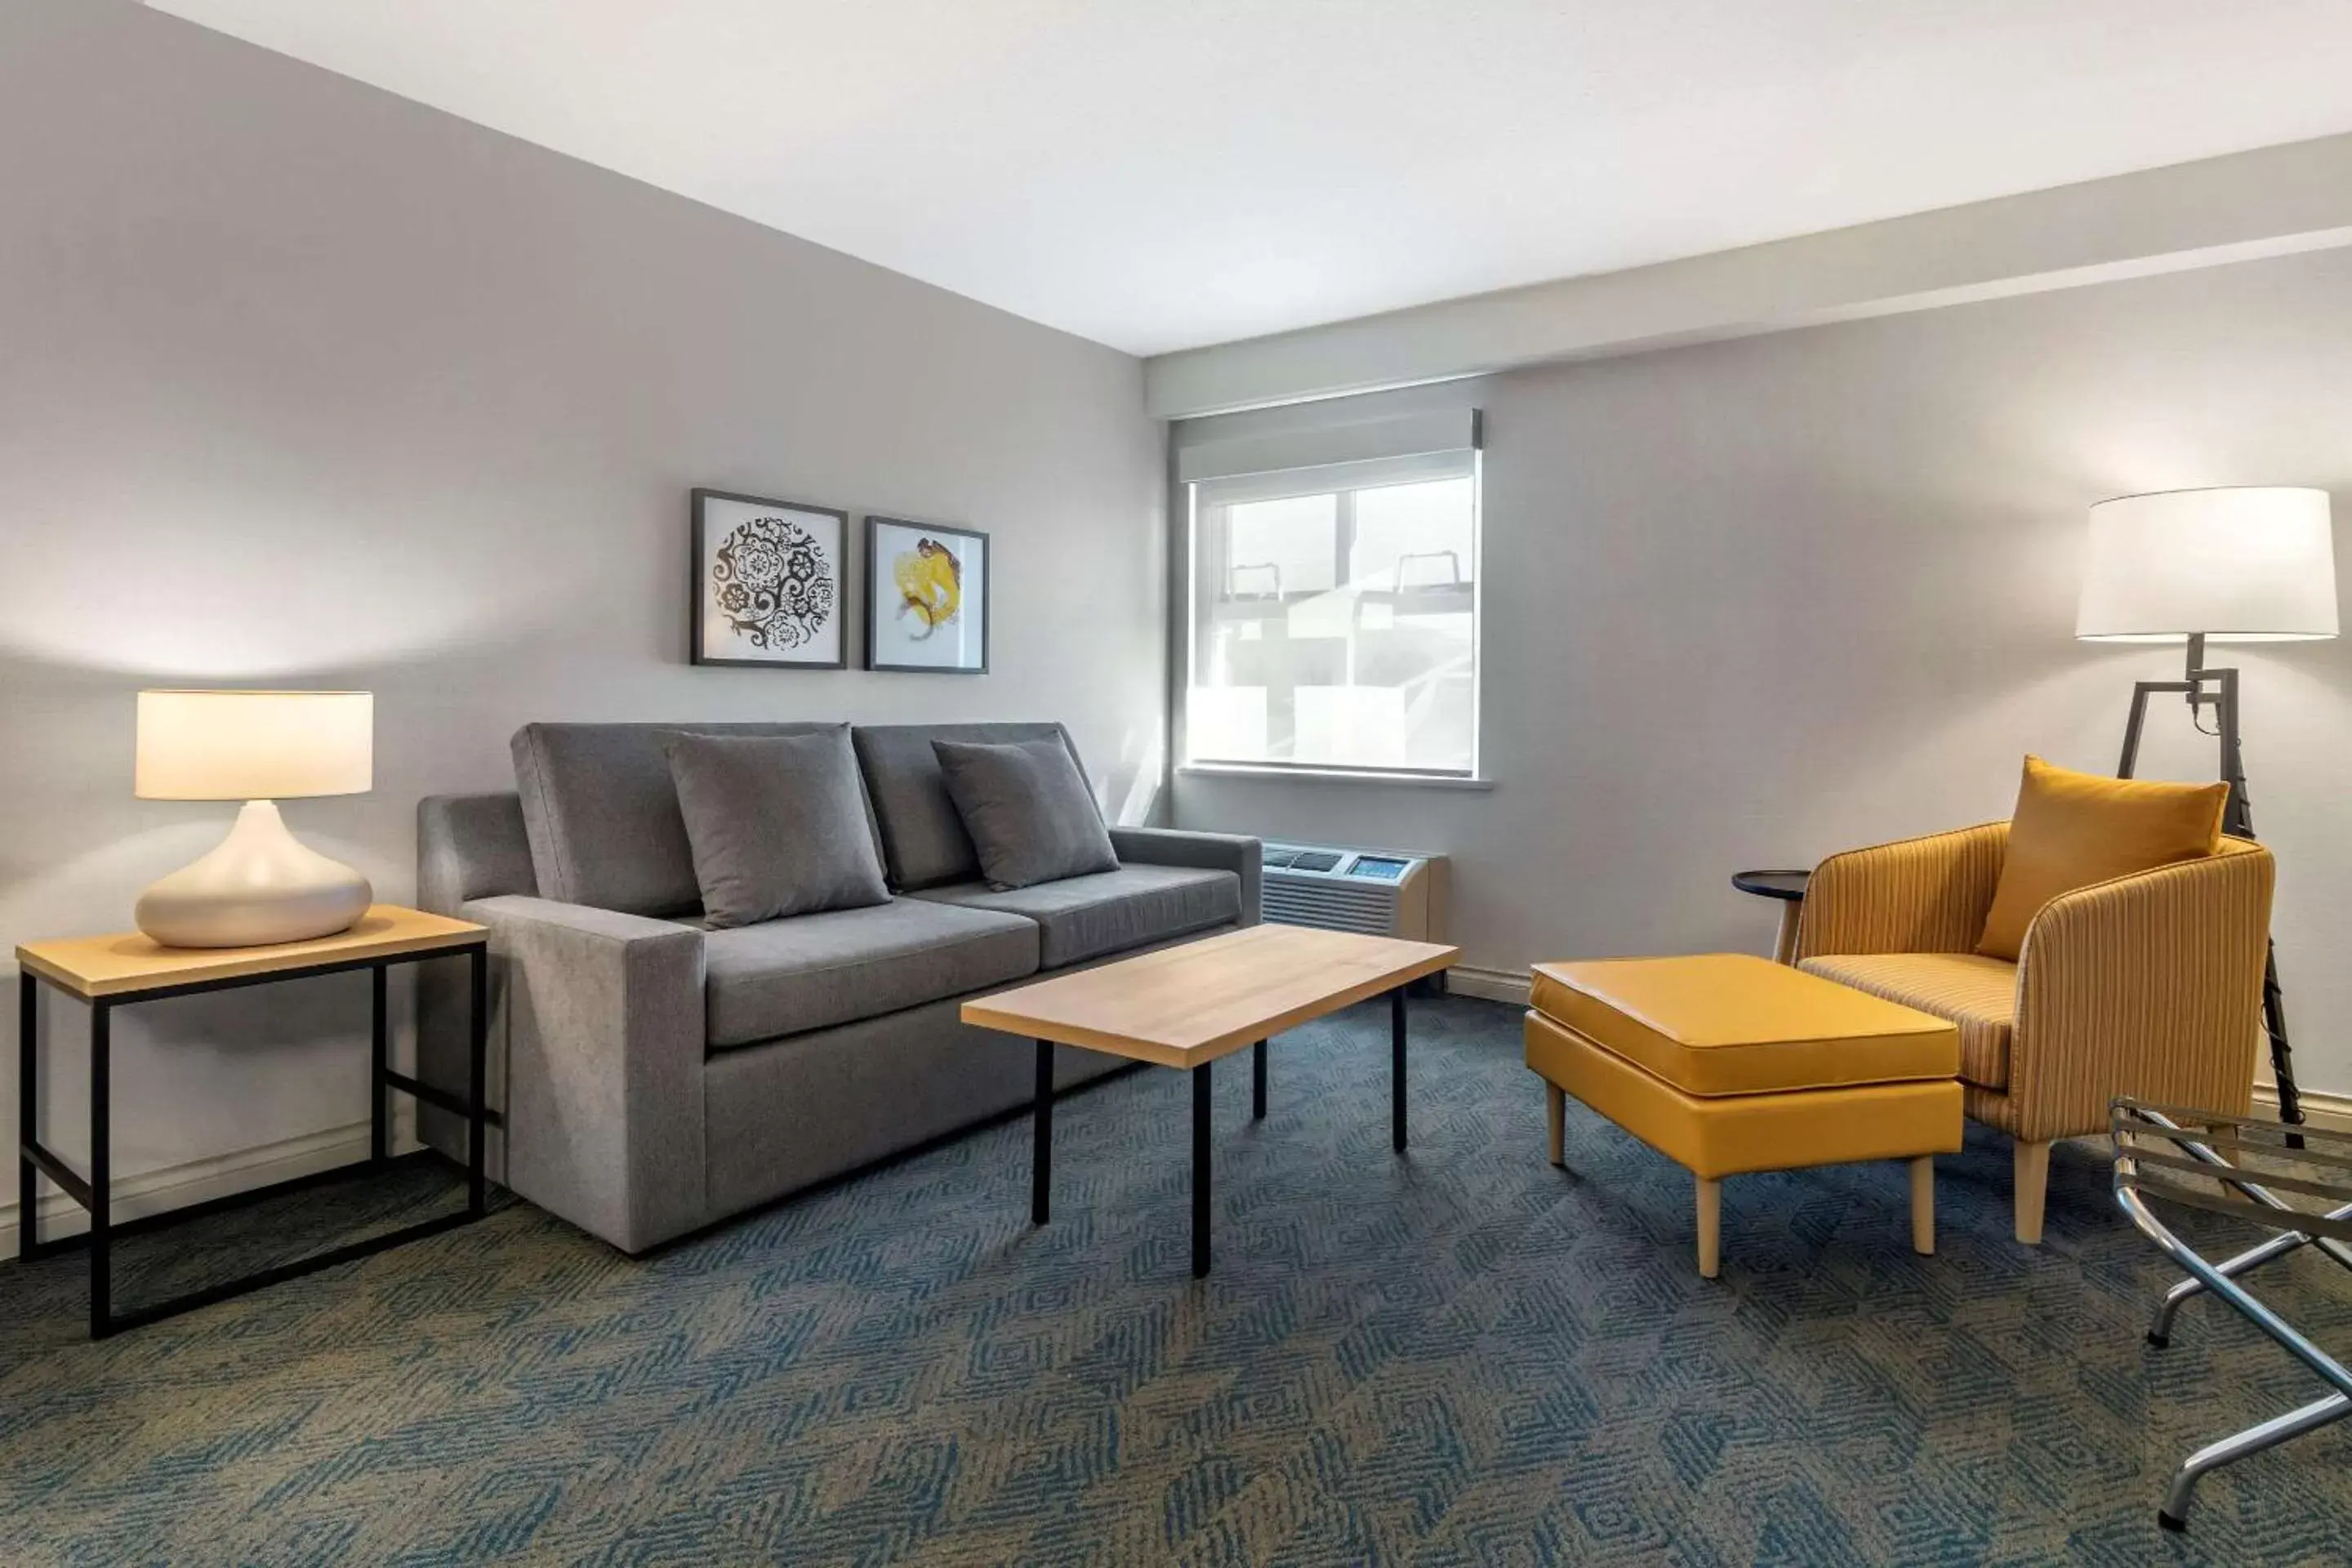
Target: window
(1333, 618)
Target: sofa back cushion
(2073, 829)
(924, 844)
(602, 813)
(1027, 810)
(777, 824)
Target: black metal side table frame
(1041, 1168)
(94, 1193)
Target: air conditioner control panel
(1338, 864)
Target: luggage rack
(2230, 1165)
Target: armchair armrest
(1234, 852)
(600, 1014)
(1916, 895)
(2149, 985)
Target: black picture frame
(699, 587)
(879, 614)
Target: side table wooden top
(128, 962)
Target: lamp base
(259, 886)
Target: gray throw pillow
(1026, 807)
(777, 824)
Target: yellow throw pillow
(2073, 829)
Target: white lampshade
(2251, 563)
(255, 745)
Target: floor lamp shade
(260, 885)
(2249, 563)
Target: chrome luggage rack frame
(2230, 1166)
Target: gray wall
(301, 384)
(1754, 602)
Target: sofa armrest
(2149, 985)
(1918, 895)
(470, 846)
(602, 1018)
(1234, 852)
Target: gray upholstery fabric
(601, 1077)
(619, 1117)
(785, 977)
(1026, 810)
(796, 1111)
(470, 846)
(777, 824)
(1081, 918)
(923, 840)
(1234, 852)
(602, 813)
(467, 847)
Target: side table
(111, 972)
(1789, 886)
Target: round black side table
(1789, 886)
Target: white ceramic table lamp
(259, 885)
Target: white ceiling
(1162, 173)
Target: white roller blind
(1406, 435)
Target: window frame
(1341, 480)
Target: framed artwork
(770, 582)
(926, 598)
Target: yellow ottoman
(1726, 1063)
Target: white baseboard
(200, 1180)
(1489, 984)
(2321, 1108)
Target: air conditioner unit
(1380, 892)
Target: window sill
(1330, 775)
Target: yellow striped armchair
(2148, 985)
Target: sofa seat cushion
(1976, 992)
(785, 977)
(1080, 918)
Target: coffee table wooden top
(1182, 1006)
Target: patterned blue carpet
(1460, 1357)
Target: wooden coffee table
(1186, 1006)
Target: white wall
(301, 384)
(1753, 602)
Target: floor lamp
(2243, 565)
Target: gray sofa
(654, 1076)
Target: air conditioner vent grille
(1332, 887)
(1372, 913)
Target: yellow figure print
(930, 585)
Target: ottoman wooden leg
(1710, 1226)
(1923, 1205)
(2032, 1181)
(1555, 1122)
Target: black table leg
(1201, 1103)
(379, 1061)
(29, 1108)
(101, 1228)
(1257, 1081)
(1396, 1068)
(1041, 1121)
(477, 1073)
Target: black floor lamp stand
(2218, 689)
